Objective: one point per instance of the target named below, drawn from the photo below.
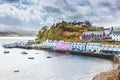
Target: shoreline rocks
(111, 75)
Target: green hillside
(67, 31)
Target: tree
(39, 35)
(44, 28)
(88, 23)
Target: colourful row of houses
(88, 47)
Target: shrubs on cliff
(119, 76)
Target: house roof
(93, 32)
(116, 33)
(90, 43)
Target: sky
(34, 14)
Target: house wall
(63, 45)
(110, 49)
(115, 37)
(93, 47)
(78, 46)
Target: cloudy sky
(33, 14)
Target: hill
(17, 33)
(67, 31)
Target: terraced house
(93, 47)
(78, 46)
(110, 49)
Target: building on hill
(115, 36)
(93, 35)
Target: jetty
(82, 53)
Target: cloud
(34, 14)
(8, 1)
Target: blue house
(78, 46)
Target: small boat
(30, 57)
(24, 52)
(118, 55)
(16, 71)
(6, 52)
(8, 46)
(49, 57)
(36, 53)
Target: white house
(93, 47)
(115, 36)
(110, 49)
(49, 44)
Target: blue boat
(8, 46)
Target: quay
(66, 50)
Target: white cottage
(115, 36)
(93, 47)
(110, 49)
(49, 44)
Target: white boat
(16, 71)
(36, 53)
(30, 57)
(49, 57)
(24, 52)
(6, 52)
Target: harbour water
(59, 67)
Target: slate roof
(93, 32)
(116, 33)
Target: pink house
(63, 45)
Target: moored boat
(49, 57)
(30, 57)
(16, 71)
(6, 52)
(24, 52)
(8, 46)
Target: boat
(24, 52)
(36, 53)
(8, 46)
(49, 57)
(118, 55)
(6, 52)
(16, 71)
(30, 57)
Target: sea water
(59, 67)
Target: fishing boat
(6, 52)
(8, 46)
(24, 52)
(16, 71)
(30, 57)
(49, 57)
